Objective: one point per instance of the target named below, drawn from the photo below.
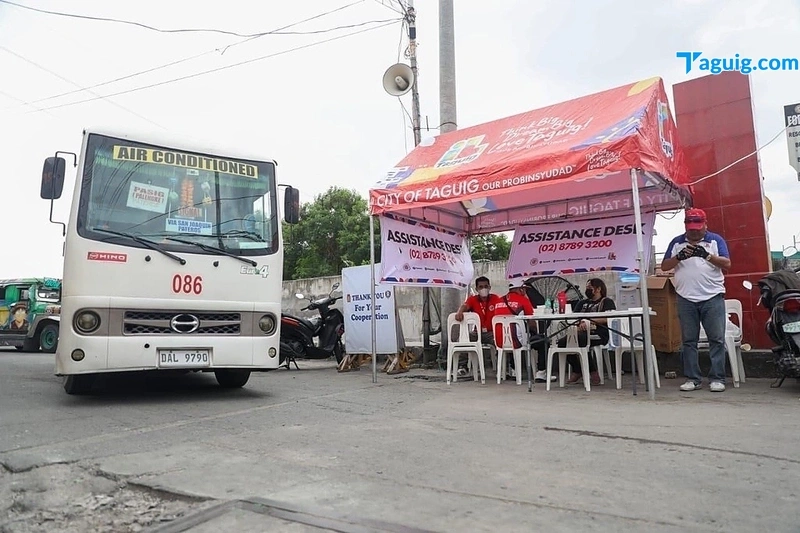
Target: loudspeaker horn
(398, 79)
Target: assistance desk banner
(579, 246)
(418, 254)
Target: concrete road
(315, 450)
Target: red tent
(569, 159)
(605, 154)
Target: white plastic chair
(733, 340)
(460, 342)
(504, 343)
(571, 347)
(620, 344)
(600, 353)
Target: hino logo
(184, 323)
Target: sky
(320, 111)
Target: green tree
(333, 233)
(490, 247)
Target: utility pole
(411, 17)
(450, 297)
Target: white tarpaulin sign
(418, 254)
(792, 115)
(579, 246)
(357, 306)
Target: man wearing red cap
(699, 257)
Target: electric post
(450, 297)
(397, 81)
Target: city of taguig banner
(607, 244)
(418, 254)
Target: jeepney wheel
(18, 347)
(48, 338)
(79, 383)
(232, 379)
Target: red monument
(714, 115)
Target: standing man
(699, 257)
(484, 304)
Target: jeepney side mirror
(291, 205)
(53, 178)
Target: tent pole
(372, 296)
(646, 333)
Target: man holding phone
(699, 257)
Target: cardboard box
(665, 327)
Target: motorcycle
(780, 295)
(298, 333)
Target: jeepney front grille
(159, 323)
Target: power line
(23, 102)
(189, 76)
(179, 61)
(62, 78)
(720, 171)
(381, 2)
(177, 30)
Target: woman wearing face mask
(596, 301)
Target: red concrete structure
(714, 115)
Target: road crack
(641, 440)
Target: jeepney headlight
(267, 324)
(86, 321)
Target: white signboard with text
(357, 303)
(792, 116)
(579, 246)
(418, 254)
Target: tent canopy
(571, 159)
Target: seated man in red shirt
(483, 304)
(514, 303)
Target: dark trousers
(540, 344)
(487, 337)
(573, 360)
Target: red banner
(500, 164)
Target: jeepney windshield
(154, 192)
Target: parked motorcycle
(780, 295)
(298, 333)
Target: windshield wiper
(244, 233)
(148, 243)
(214, 249)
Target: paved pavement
(314, 450)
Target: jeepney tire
(45, 341)
(20, 348)
(79, 384)
(232, 378)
